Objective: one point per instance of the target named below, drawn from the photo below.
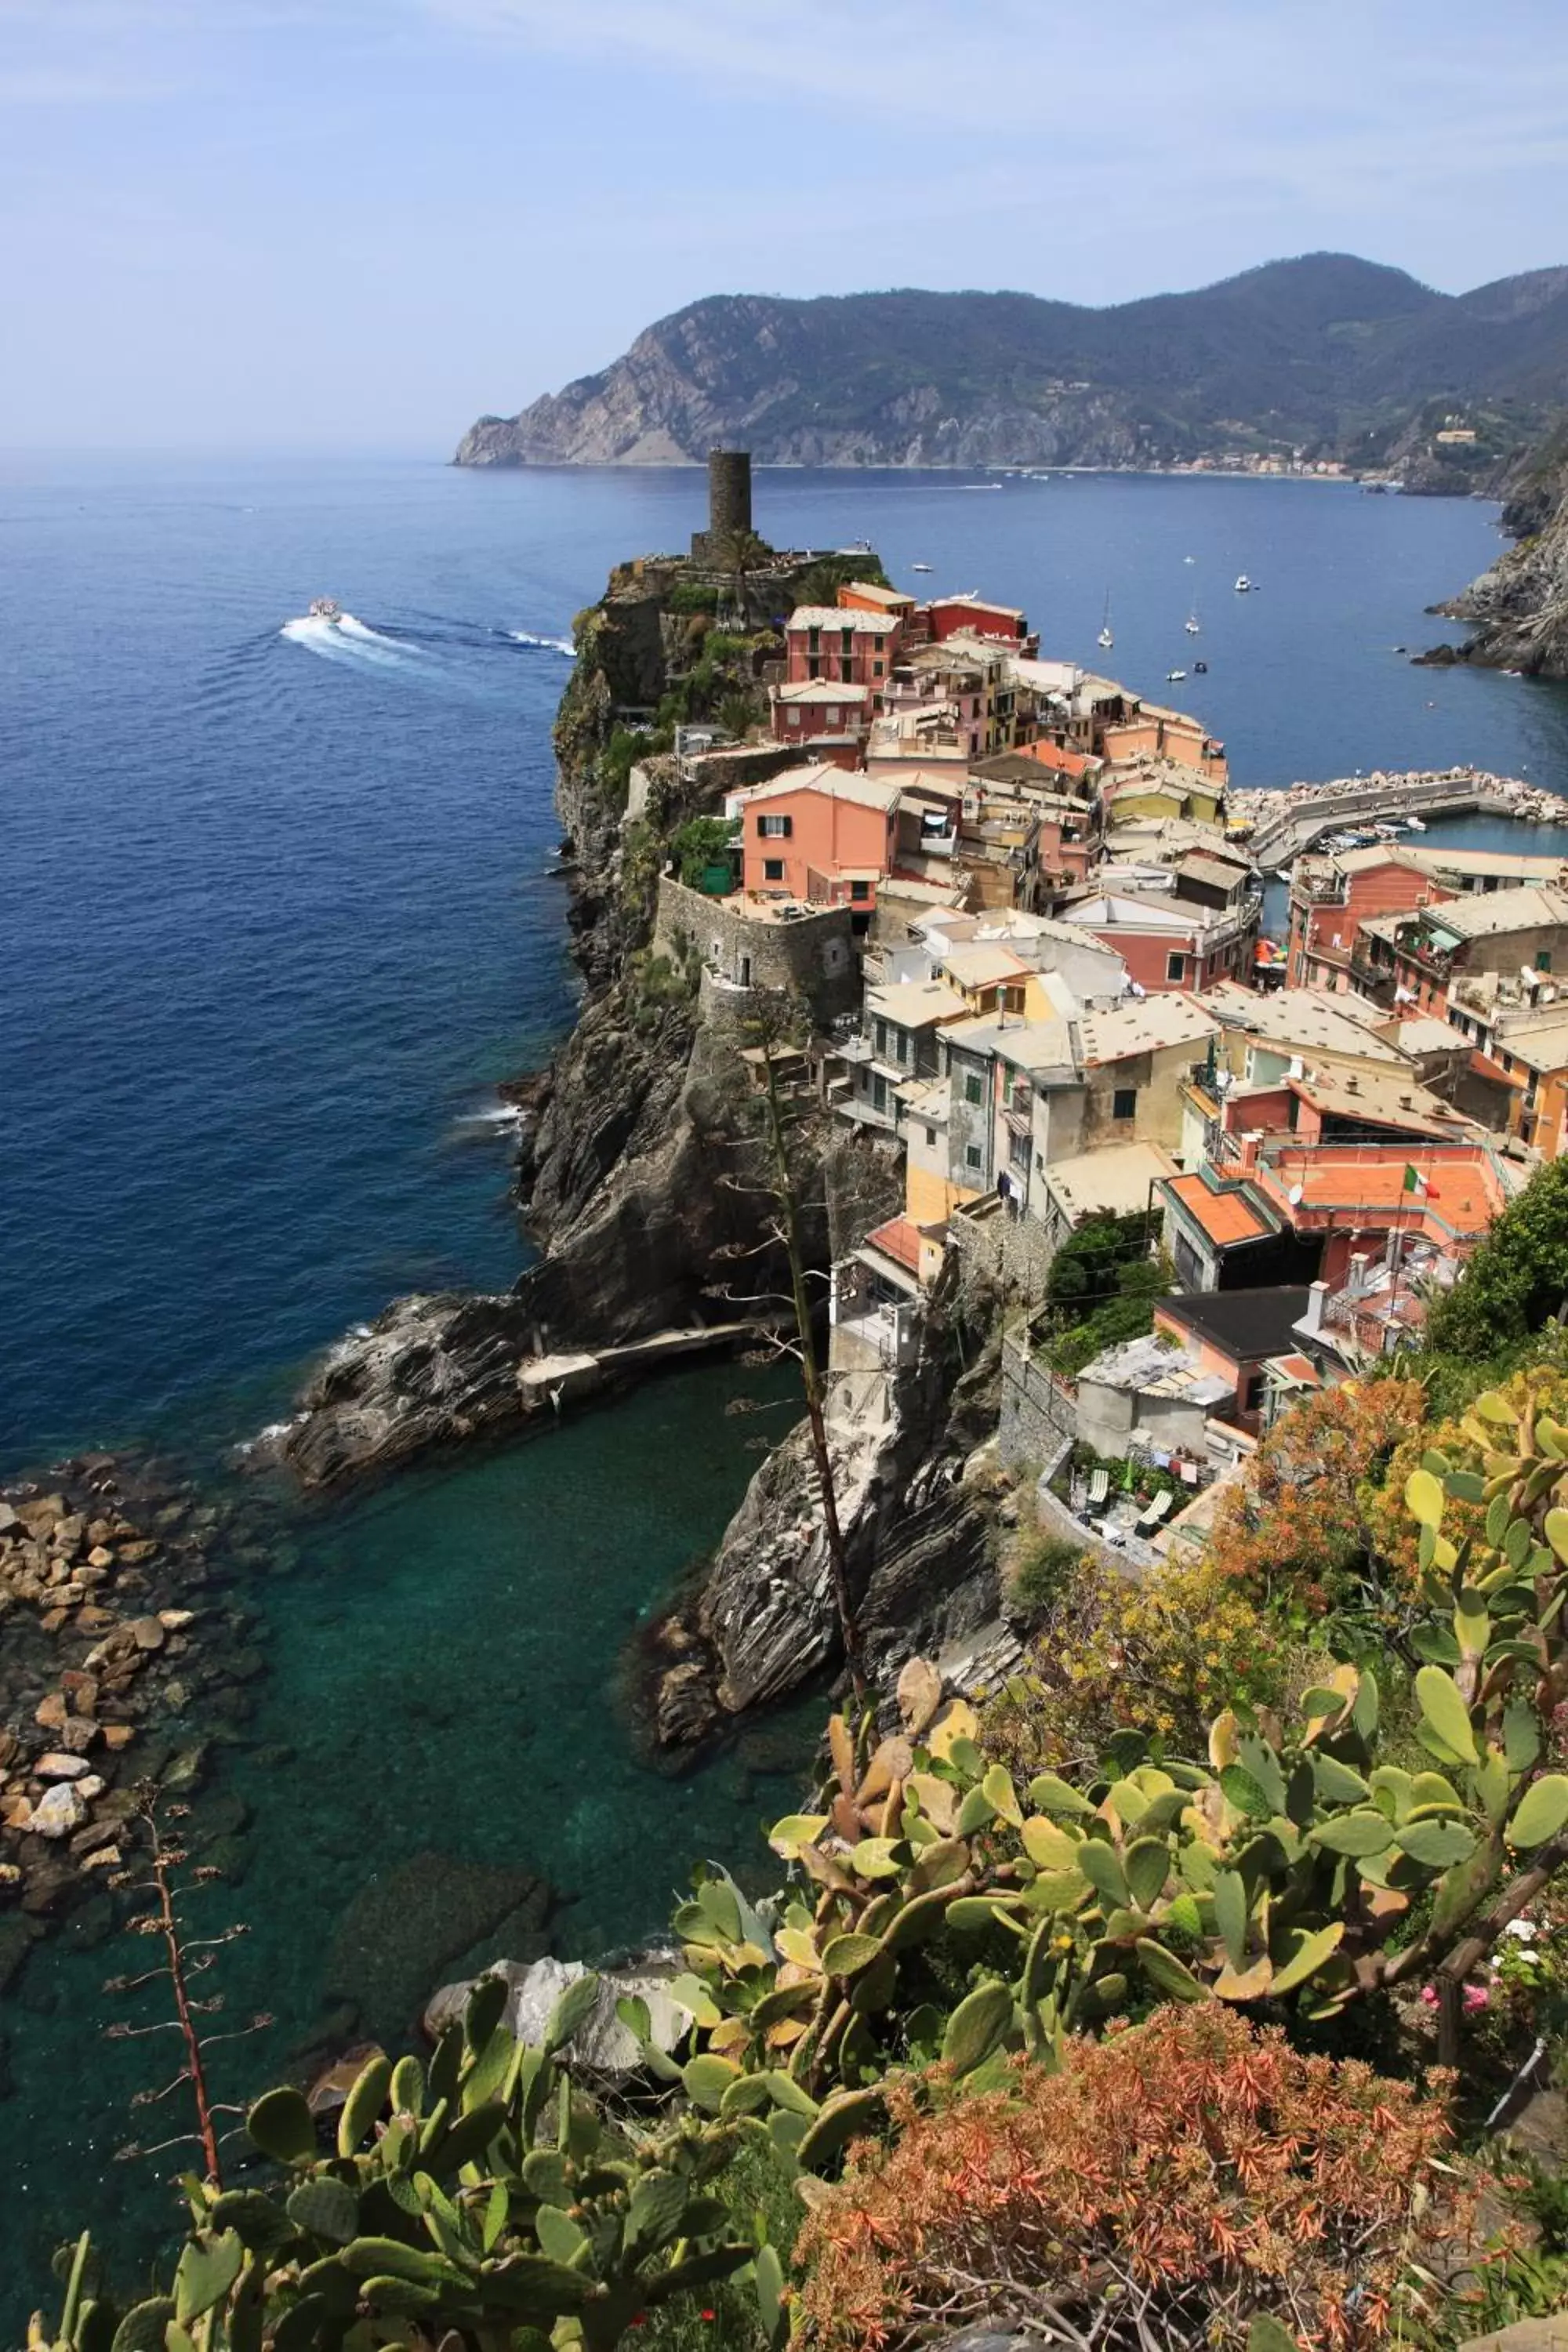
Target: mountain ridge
(1325, 352)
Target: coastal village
(1025, 912)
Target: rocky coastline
(1519, 608)
(630, 1143)
(124, 1666)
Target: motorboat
(920, 567)
(1200, 669)
(1107, 637)
(1193, 623)
(1243, 584)
(1173, 676)
(1415, 825)
(325, 608)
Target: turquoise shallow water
(278, 917)
(440, 1683)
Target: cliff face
(1326, 351)
(633, 1133)
(916, 1532)
(1519, 608)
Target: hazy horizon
(285, 227)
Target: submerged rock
(408, 1923)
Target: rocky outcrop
(601, 2046)
(633, 1138)
(1519, 608)
(429, 1369)
(917, 1534)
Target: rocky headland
(1325, 354)
(1519, 608)
(637, 1180)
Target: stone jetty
(1284, 823)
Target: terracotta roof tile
(1225, 1217)
(898, 1239)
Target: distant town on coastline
(1324, 364)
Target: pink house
(817, 707)
(819, 835)
(831, 643)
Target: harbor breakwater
(1282, 824)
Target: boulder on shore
(602, 2044)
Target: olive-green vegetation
(1515, 1278)
(1101, 1289)
(948, 1918)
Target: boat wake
(348, 639)
(543, 644)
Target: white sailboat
(1106, 638)
(1193, 623)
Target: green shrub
(1039, 1567)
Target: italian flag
(1422, 1186)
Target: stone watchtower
(729, 501)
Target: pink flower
(1475, 1997)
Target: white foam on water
(347, 639)
(350, 627)
(543, 644)
(498, 1118)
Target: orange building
(819, 835)
(861, 596)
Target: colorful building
(818, 835)
(843, 647)
(1165, 943)
(817, 707)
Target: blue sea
(279, 912)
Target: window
(880, 1036)
(1175, 967)
(773, 869)
(974, 1092)
(931, 1139)
(971, 1155)
(878, 1093)
(861, 890)
(1544, 960)
(776, 828)
(793, 718)
(877, 668)
(1124, 1103)
(1257, 1390)
(813, 639)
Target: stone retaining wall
(813, 956)
(1036, 1411)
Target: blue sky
(323, 222)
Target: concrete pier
(1287, 823)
